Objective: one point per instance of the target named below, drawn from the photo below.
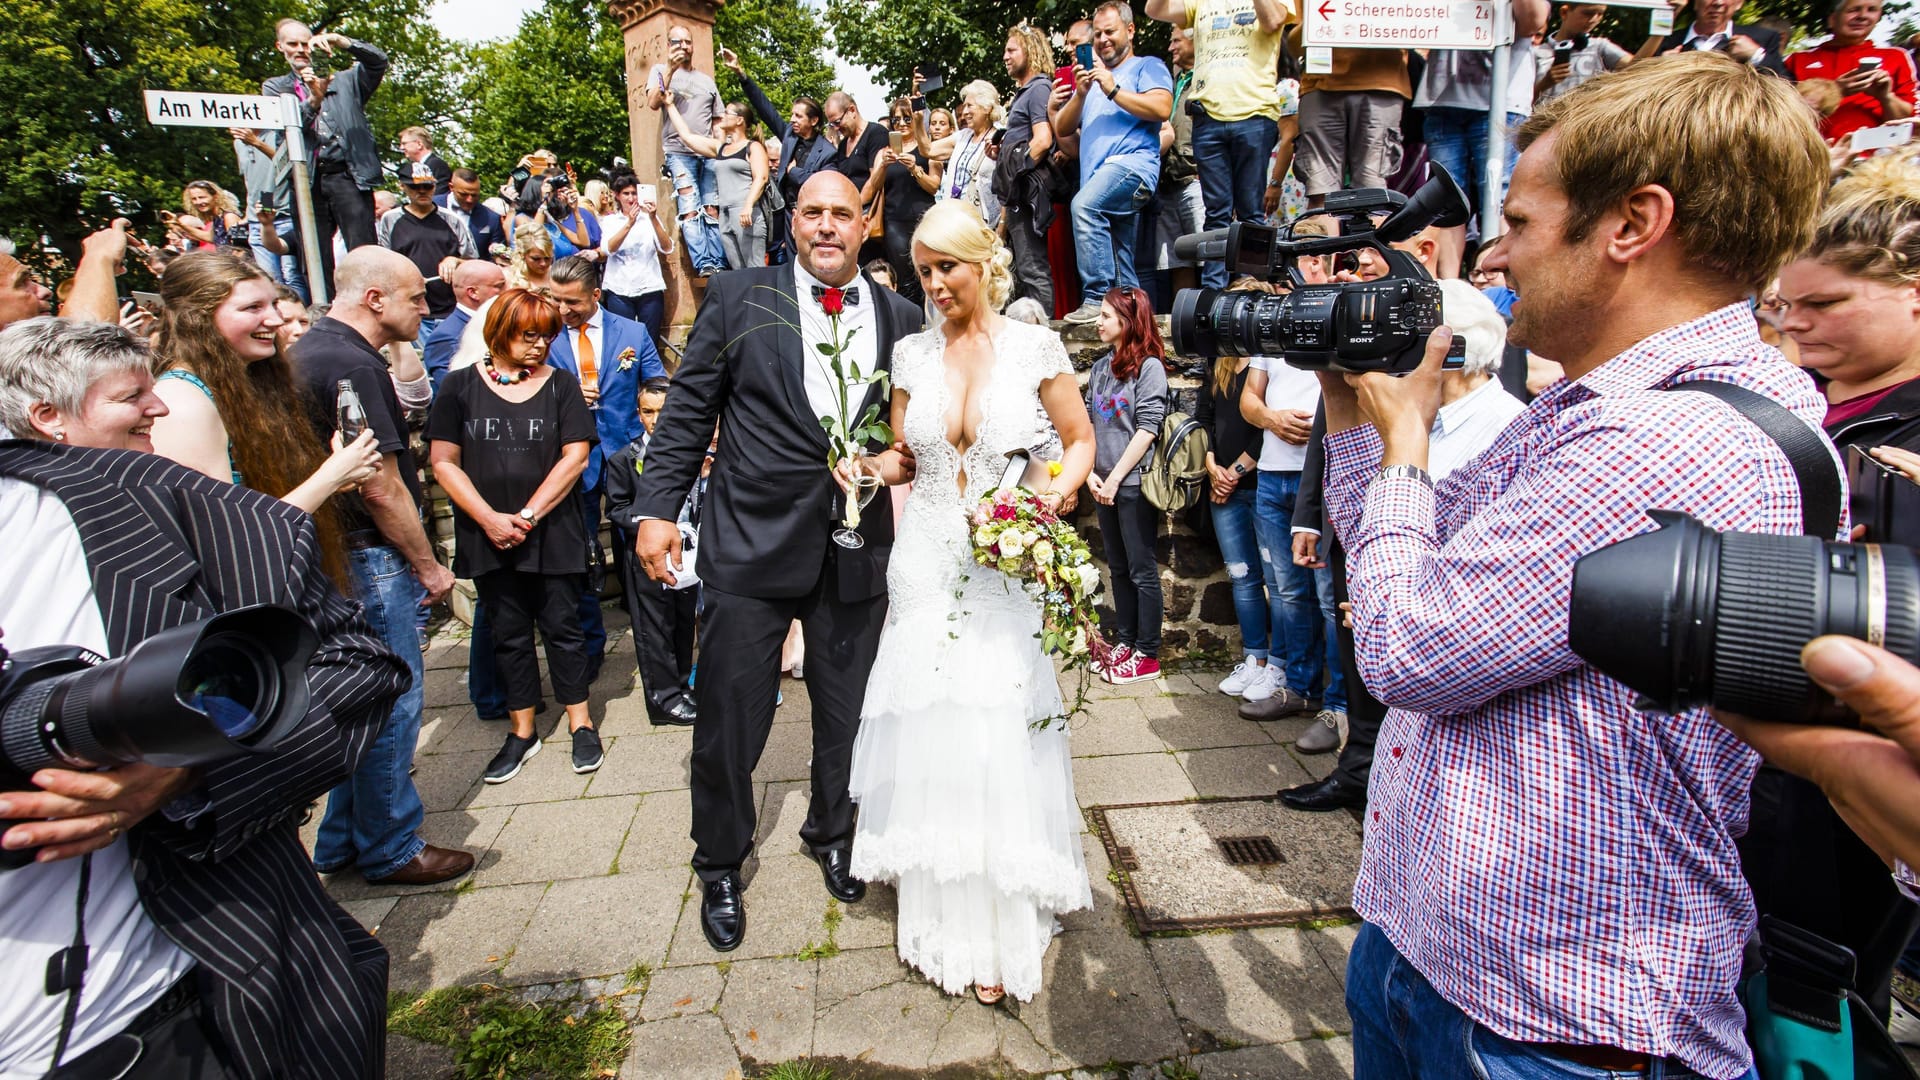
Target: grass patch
(830, 948)
(798, 1070)
(1178, 1069)
(637, 974)
(493, 1034)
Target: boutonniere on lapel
(627, 357)
(847, 437)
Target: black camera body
(1357, 326)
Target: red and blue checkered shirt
(1560, 867)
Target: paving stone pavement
(583, 885)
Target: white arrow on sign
(194, 108)
(1400, 24)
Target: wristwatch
(1411, 472)
(1239, 469)
(526, 514)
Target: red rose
(833, 301)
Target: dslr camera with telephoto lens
(1354, 326)
(190, 695)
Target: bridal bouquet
(1018, 534)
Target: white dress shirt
(1467, 425)
(858, 328)
(49, 600)
(634, 268)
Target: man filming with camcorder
(159, 915)
(1549, 879)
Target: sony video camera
(1358, 326)
(189, 695)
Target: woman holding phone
(969, 169)
(741, 171)
(903, 177)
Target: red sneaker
(1107, 658)
(1137, 667)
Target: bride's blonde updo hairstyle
(954, 228)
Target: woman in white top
(632, 285)
(968, 173)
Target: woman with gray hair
(968, 174)
(80, 383)
(1474, 407)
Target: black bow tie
(850, 297)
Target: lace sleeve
(904, 371)
(1050, 356)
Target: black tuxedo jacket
(1774, 61)
(766, 523)
(293, 985)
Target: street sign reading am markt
(1400, 24)
(194, 108)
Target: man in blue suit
(612, 356)
(464, 199)
(474, 282)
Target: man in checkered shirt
(1550, 883)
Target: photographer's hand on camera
(74, 813)
(1401, 408)
(1872, 777)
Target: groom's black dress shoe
(723, 913)
(1333, 793)
(836, 868)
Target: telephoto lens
(1687, 616)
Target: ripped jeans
(696, 196)
(1240, 548)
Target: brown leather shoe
(432, 866)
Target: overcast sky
(485, 20)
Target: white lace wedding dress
(969, 811)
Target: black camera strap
(67, 969)
(1813, 466)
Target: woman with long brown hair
(234, 408)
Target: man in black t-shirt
(433, 238)
(1022, 162)
(860, 141)
(373, 819)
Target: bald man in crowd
(373, 819)
(474, 282)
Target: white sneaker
(1265, 683)
(1243, 675)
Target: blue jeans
(1240, 549)
(1457, 140)
(1335, 697)
(1403, 1029)
(373, 817)
(1293, 607)
(283, 269)
(1105, 220)
(696, 195)
(1233, 157)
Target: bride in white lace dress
(969, 811)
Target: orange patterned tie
(589, 370)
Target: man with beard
(1549, 880)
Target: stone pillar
(644, 24)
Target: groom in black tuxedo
(766, 553)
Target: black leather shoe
(836, 868)
(723, 913)
(681, 714)
(1333, 793)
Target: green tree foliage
(781, 43)
(963, 38)
(74, 130)
(558, 84)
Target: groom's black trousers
(740, 638)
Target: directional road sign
(1400, 24)
(195, 108)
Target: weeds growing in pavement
(494, 1034)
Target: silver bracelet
(1411, 472)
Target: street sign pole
(310, 239)
(1493, 194)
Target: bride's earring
(60, 436)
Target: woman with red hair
(1127, 398)
(510, 439)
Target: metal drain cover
(1250, 850)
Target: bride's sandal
(989, 995)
